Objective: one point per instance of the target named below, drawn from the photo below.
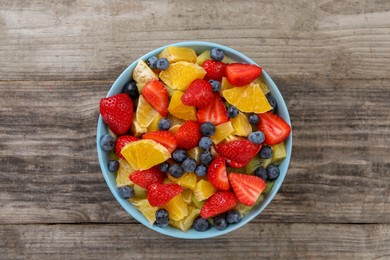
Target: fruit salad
(194, 139)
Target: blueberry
(131, 89)
(179, 155)
(164, 124)
(256, 137)
(164, 167)
(189, 165)
(266, 152)
(215, 84)
(216, 54)
(272, 172)
(232, 112)
(207, 129)
(152, 62)
(162, 218)
(201, 224)
(272, 101)
(206, 158)
(262, 173)
(175, 170)
(205, 143)
(220, 222)
(162, 64)
(201, 170)
(233, 216)
(113, 165)
(253, 119)
(126, 192)
(107, 143)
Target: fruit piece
(157, 95)
(139, 192)
(272, 172)
(117, 112)
(154, 124)
(165, 138)
(204, 190)
(107, 142)
(146, 177)
(205, 158)
(200, 170)
(218, 203)
(122, 141)
(162, 64)
(222, 131)
(187, 196)
(180, 74)
(136, 129)
(145, 113)
(152, 62)
(264, 88)
(241, 125)
(207, 129)
(253, 119)
(247, 99)
(188, 135)
(164, 167)
(189, 165)
(174, 128)
(272, 101)
(232, 112)
(275, 129)
(145, 208)
(253, 165)
(233, 216)
(197, 204)
(265, 152)
(201, 224)
(225, 85)
(176, 53)
(177, 208)
(199, 94)
(203, 57)
(220, 222)
(270, 185)
(261, 173)
(214, 113)
(256, 137)
(215, 85)
(188, 180)
(179, 155)
(195, 153)
(237, 153)
(164, 124)
(246, 187)
(124, 171)
(142, 74)
(175, 170)
(265, 162)
(217, 54)
(130, 88)
(113, 165)
(185, 223)
(162, 218)
(126, 192)
(279, 152)
(239, 74)
(205, 143)
(144, 154)
(215, 69)
(217, 174)
(179, 110)
(159, 194)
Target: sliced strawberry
(275, 129)
(166, 138)
(218, 203)
(217, 174)
(146, 177)
(122, 141)
(157, 95)
(214, 113)
(199, 94)
(159, 194)
(246, 187)
(238, 153)
(117, 112)
(215, 69)
(239, 74)
(188, 135)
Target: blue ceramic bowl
(199, 47)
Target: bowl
(109, 177)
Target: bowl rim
(211, 232)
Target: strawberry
(246, 187)
(117, 112)
(214, 113)
(218, 203)
(217, 174)
(199, 94)
(188, 135)
(122, 141)
(238, 153)
(215, 69)
(166, 138)
(146, 177)
(239, 74)
(157, 95)
(275, 129)
(159, 194)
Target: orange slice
(222, 131)
(178, 109)
(124, 171)
(146, 209)
(176, 53)
(145, 113)
(241, 125)
(204, 190)
(142, 74)
(177, 208)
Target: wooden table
(330, 59)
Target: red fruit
(188, 135)
(146, 177)
(117, 112)
(166, 138)
(199, 94)
(215, 69)
(122, 141)
(275, 129)
(218, 203)
(214, 113)
(157, 95)
(238, 153)
(239, 74)
(217, 174)
(246, 187)
(159, 194)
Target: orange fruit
(145, 113)
(204, 190)
(225, 84)
(241, 125)
(176, 53)
(187, 180)
(179, 110)
(142, 74)
(222, 131)
(187, 196)
(185, 223)
(154, 124)
(136, 129)
(124, 171)
(262, 85)
(146, 209)
(195, 153)
(177, 208)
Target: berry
(238, 153)
(232, 112)
(256, 137)
(164, 167)
(189, 165)
(126, 192)
(218, 203)
(207, 129)
(157, 95)
(261, 173)
(152, 62)
(117, 112)
(217, 174)
(113, 165)
(239, 74)
(130, 88)
(122, 141)
(215, 69)
(205, 157)
(246, 187)
(199, 94)
(201, 224)
(159, 194)
(175, 170)
(166, 138)
(164, 124)
(233, 216)
(188, 135)
(253, 119)
(272, 101)
(107, 142)
(205, 142)
(216, 54)
(220, 222)
(272, 172)
(162, 218)
(200, 170)
(162, 64)
(265, 152)
(179, 155)
(215, 85)
(275, 129)
(214, 113)
(144, 178)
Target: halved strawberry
(218, 203)
(146, 177)
(117, 112)
(188, 135)
(166, 138)
(238, 153)
(275, 129)
(214, 113)
(122, 141)
(217, 174)
(239, 74)
(199, 94)
(157, 95)
(159, 194)
(246, 187)
(215, 69)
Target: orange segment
(142, 74)
(187, 196)
(124, 171)
(154, 124)
(204, 190)
(186, 222)
(146, 209)
(195, 153)
(225, 84)
(136, 129)
(145, 113)
(241, 125)
(262, 85)
(176, 53)
(178, 109)
(188, 180)
(177, 208)
(222, 131)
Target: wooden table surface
(330, 59)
